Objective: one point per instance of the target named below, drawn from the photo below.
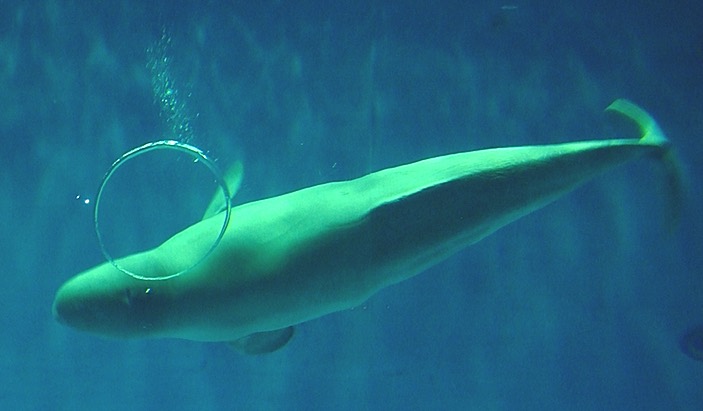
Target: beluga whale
(298, 256)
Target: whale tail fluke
(652, 135)
(674, 185)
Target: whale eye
(137, 298)
(127, 298)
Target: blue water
(578, 306)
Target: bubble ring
(198, 155)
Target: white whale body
(288, 259)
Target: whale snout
(75, 308)
(109, 304)
(59, 310)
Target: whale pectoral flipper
(263, 342)
(233, 179)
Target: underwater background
(581, 305)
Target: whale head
(104, 300)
